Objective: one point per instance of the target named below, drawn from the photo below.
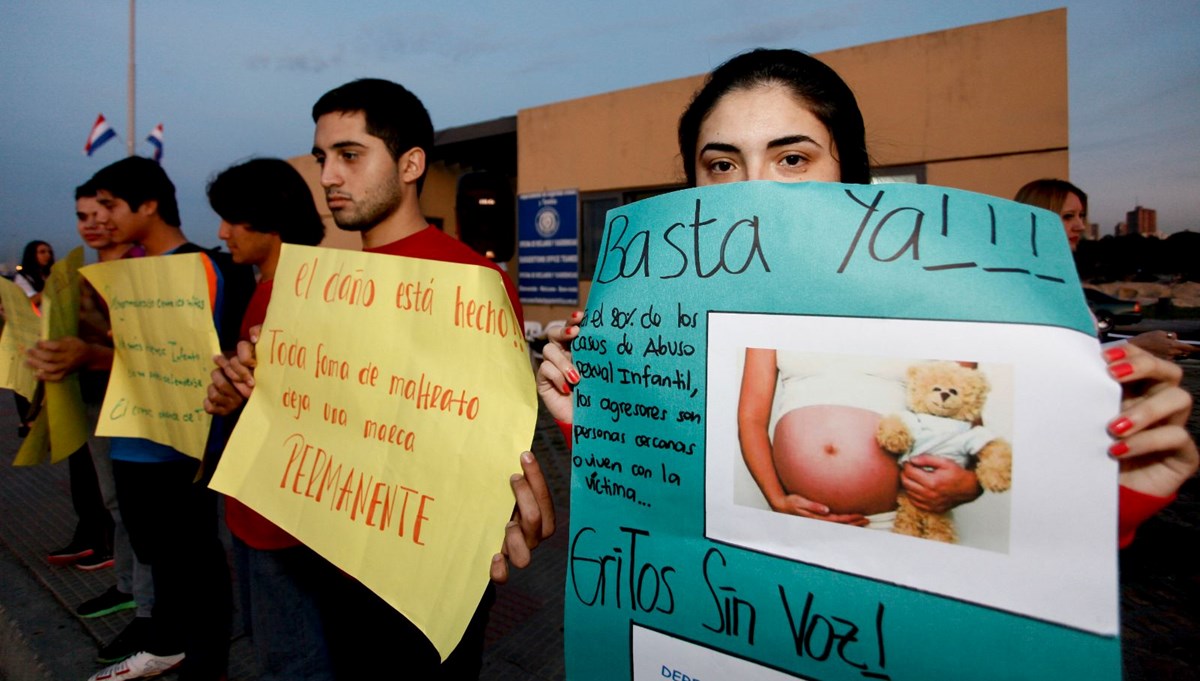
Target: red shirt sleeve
(1134, 508)
(566, 431)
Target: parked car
(1111, 312)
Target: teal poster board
(819, 323)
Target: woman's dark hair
(1050, 194)
(267, 195)
(823, 92)
(31, 269)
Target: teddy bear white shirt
(953, 439)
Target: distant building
(1142, 221)
(1121, 229)
(1092, 231)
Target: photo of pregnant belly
(893, 444)
(829, 454)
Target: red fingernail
(1121, 370)
(567, 388)
(1118, 449)
(573, 376)
(1113, 354)
(1120, 426)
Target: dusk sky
(232, 80)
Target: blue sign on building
(548, 248)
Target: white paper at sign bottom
(657, 656)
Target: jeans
(278, 589)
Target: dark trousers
(95, 526)
(172, 523)
(369, 639)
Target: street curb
(39, 641)
(18, 660)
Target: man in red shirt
(372, 141)
(263, 204)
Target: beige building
(981, 107)
(1142, 221)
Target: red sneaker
(69, 554)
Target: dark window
(592, 209)
(487, 217)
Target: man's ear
(149, 207)
(412, 165)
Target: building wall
(965, 93)
(999, 175)
(982, 108)
(622, 139)
(1142, 221)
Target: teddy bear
(945, 402)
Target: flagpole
(130, 135)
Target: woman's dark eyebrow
(790, 139)
(719, 146)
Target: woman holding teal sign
(783, 115)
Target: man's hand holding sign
(162, 320)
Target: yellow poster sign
(60, 317)
(164, 340)
(21, 329)
(61, 426)
(393, 396)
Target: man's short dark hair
(393, 114)
(85, 191)
(267, 195)
(136, 180)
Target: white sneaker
(138, 666)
